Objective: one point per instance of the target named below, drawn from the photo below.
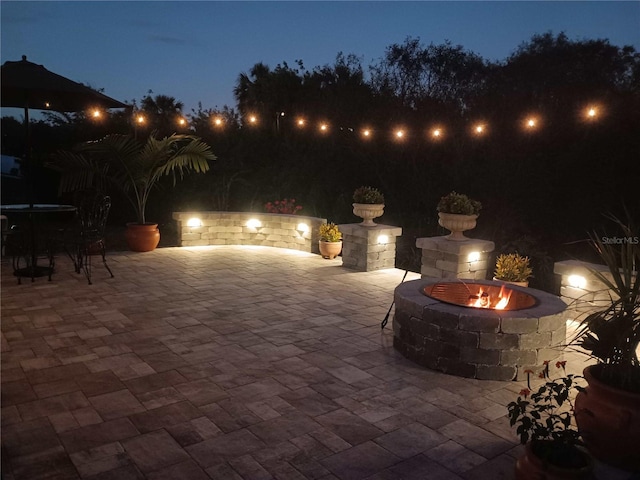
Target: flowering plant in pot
(513, 268)
(458, 213)
(330, 240)
(546, 426)
(608, 410)
(286, 206)
(135, 168)
(368, 203)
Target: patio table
(31, 221)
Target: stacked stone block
(361, 250)
(593, 296)
(477, 343)
(443, 258)
(230, 228)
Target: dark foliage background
(542, 190)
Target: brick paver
(233, 363)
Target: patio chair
(87, 238)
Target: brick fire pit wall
(473, 342)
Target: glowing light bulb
(194, 222)
(217, 122)
(366, 133)
(96, 113)
(139, 119)
(399, 133)
(577, 281)
(436, 132)
(479, 129)
(531, 123)
(253, 119)
(324, 127)
(473, 257)
(301, 122)
(254, 223)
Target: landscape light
(473, 257)
(383, 239)
(577, 281)
(194, 222)
(302, 228)
(254, 223)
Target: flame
(483, 300)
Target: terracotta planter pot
(457, 224)
(368, 211)
(142, 238)
(330, 250)
(520, 284)
(609, 420)
(531, 467)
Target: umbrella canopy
(31, 86)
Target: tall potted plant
(368, 203)
(135, 168)
(608, 411)
(458, 213)
(545, 423)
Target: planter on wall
(142, 237)
(456, 224)
(368, 211)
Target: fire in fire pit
(475, 295)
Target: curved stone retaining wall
(230, 228)
(477, 343)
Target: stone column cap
(359, 230)
(465, 247)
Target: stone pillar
(443, 258)
(364, 250)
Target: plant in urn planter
(546, 426)
(457, 213)
(368, 204)
(330, 242)
(513, 268)
(134, 168)
(608, 411)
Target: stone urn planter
(368, 211)
(330, 250)
(142, 237)
(456, 224)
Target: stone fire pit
(477, 342)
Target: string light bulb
(253, 119)
(96, 113)
(324, 127)
(366, 133)
(301, 122)
(437, 133)
(140, 119)
(479, 129)
(217, 121)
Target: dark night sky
(194, 51)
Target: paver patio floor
(232, 363)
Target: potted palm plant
(458, 213)
(546, 426)
(513, 268)
(608, 411)
(368, 203)
(330, 242)
(135, 168)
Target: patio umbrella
(31, 86)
